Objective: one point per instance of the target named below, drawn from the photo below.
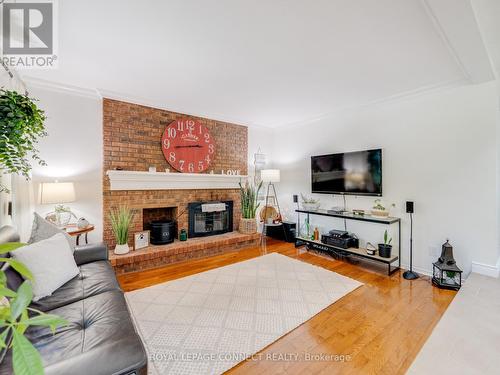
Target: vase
(247, 226)
(121, 249)
(63, 218)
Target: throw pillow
(42, 229)
(50, 261)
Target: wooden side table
(73, 231)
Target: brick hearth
(161, 255)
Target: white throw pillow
(50, 261)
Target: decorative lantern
(445, 273)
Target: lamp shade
(270, 175)
(57, 192)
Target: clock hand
(189, 146)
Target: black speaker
(295, 198)
(284, 232)
(409, 207)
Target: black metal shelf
(350, 216)
(357, 252)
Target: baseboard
(419, 270)
(486, 269)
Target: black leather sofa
(100, 337)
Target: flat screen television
(354, 173)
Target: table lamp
(58, 193)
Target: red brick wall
(132, 140)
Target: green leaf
(19, 267)
(25, 358)
(50, 320)
(3, 338)
(22, 300)
(5, 292)
(3, 278)
(10, 246)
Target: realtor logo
(28, 34)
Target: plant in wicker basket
(249, 195)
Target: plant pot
(310, 206)
(247, 226)
(381, 213)
(121, 249)
(384, 250)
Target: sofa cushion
(94, 278)
(50, 261)
(99, 339)
(43, 229)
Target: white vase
(121, 249)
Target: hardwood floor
(378, 328)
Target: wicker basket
(248, 226)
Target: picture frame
(141, 239)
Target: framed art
(141, 240)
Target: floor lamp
(270, 176)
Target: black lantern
(445, 273)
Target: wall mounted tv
(354, 173)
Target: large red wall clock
(187, 146)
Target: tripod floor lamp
(270, 176)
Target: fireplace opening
(210, 218)
(160, 221)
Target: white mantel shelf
(132, 180)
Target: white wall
(73, 151)
(439, 150)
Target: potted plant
(309, 203)
(379, 209)
(21, 125)
(249, 196)
(16, 316)
(121, 218)
(384, 249)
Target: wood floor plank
(379, 327)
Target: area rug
(211, 321)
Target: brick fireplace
(132, 136)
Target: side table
(74, 231)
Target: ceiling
(265, 63)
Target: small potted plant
(384, 249)
(249, 196)
(379, 209)
(309, 203)
(121, 218)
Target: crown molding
(455, 22)
(60, 87)
(403, 96)
(154, 104)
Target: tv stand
(341, 253)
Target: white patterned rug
(209, 322)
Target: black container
(384, 250)
(162, 232)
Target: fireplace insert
(210, 218)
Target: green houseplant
(249, 196)
(384, 249)
(21, 125)
(379, 209)
(16, 316)
(121, 218)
